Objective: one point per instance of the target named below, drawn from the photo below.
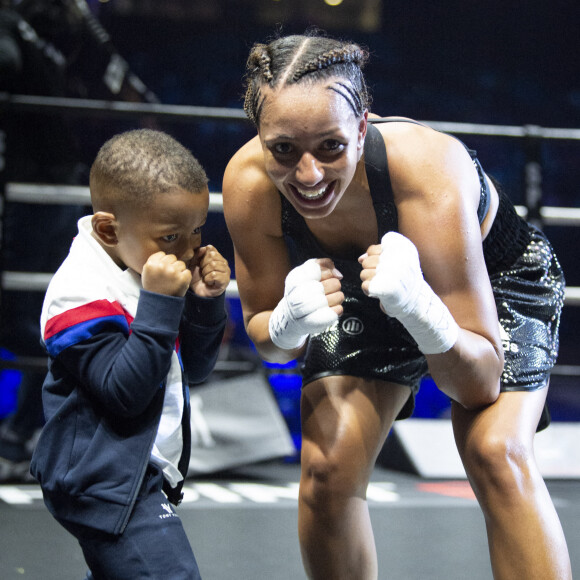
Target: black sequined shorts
(366, 343)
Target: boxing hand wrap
(303, 310)
(404, 294)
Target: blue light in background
(9, 383)
(286, 384)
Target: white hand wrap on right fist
(404, 294)
(303, 310)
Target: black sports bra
(506, 240)
(378, 169)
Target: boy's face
(171, 223)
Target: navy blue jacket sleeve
(123, 373)
(201, 333)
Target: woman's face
(312, 143)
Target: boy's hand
(210, 272)
(165, 274)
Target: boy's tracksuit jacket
(111, 345)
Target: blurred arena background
(511, 65)
(502, 75)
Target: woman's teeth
(312, 194)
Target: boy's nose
(189, 253)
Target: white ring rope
(79, 195)
(59, 105)
(38, 282)
(534, 131)
(69, 194)
(555, 216)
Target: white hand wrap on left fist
(404, 294)
(303, 310)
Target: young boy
(134, 315)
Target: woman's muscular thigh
(345, 421)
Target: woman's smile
(311, 143)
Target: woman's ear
(362, 131)
(105, 228)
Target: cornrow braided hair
(300, 58)
(258, 65)
(350, 53)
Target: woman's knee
(498, 463)
(327, 483)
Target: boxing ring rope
(189, 113)
(119, 109)
(79, 195)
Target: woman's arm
(252, 211)
(252, 214)
(437, 192)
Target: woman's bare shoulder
(248, 192)
(417, 153)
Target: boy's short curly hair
(132, 167)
